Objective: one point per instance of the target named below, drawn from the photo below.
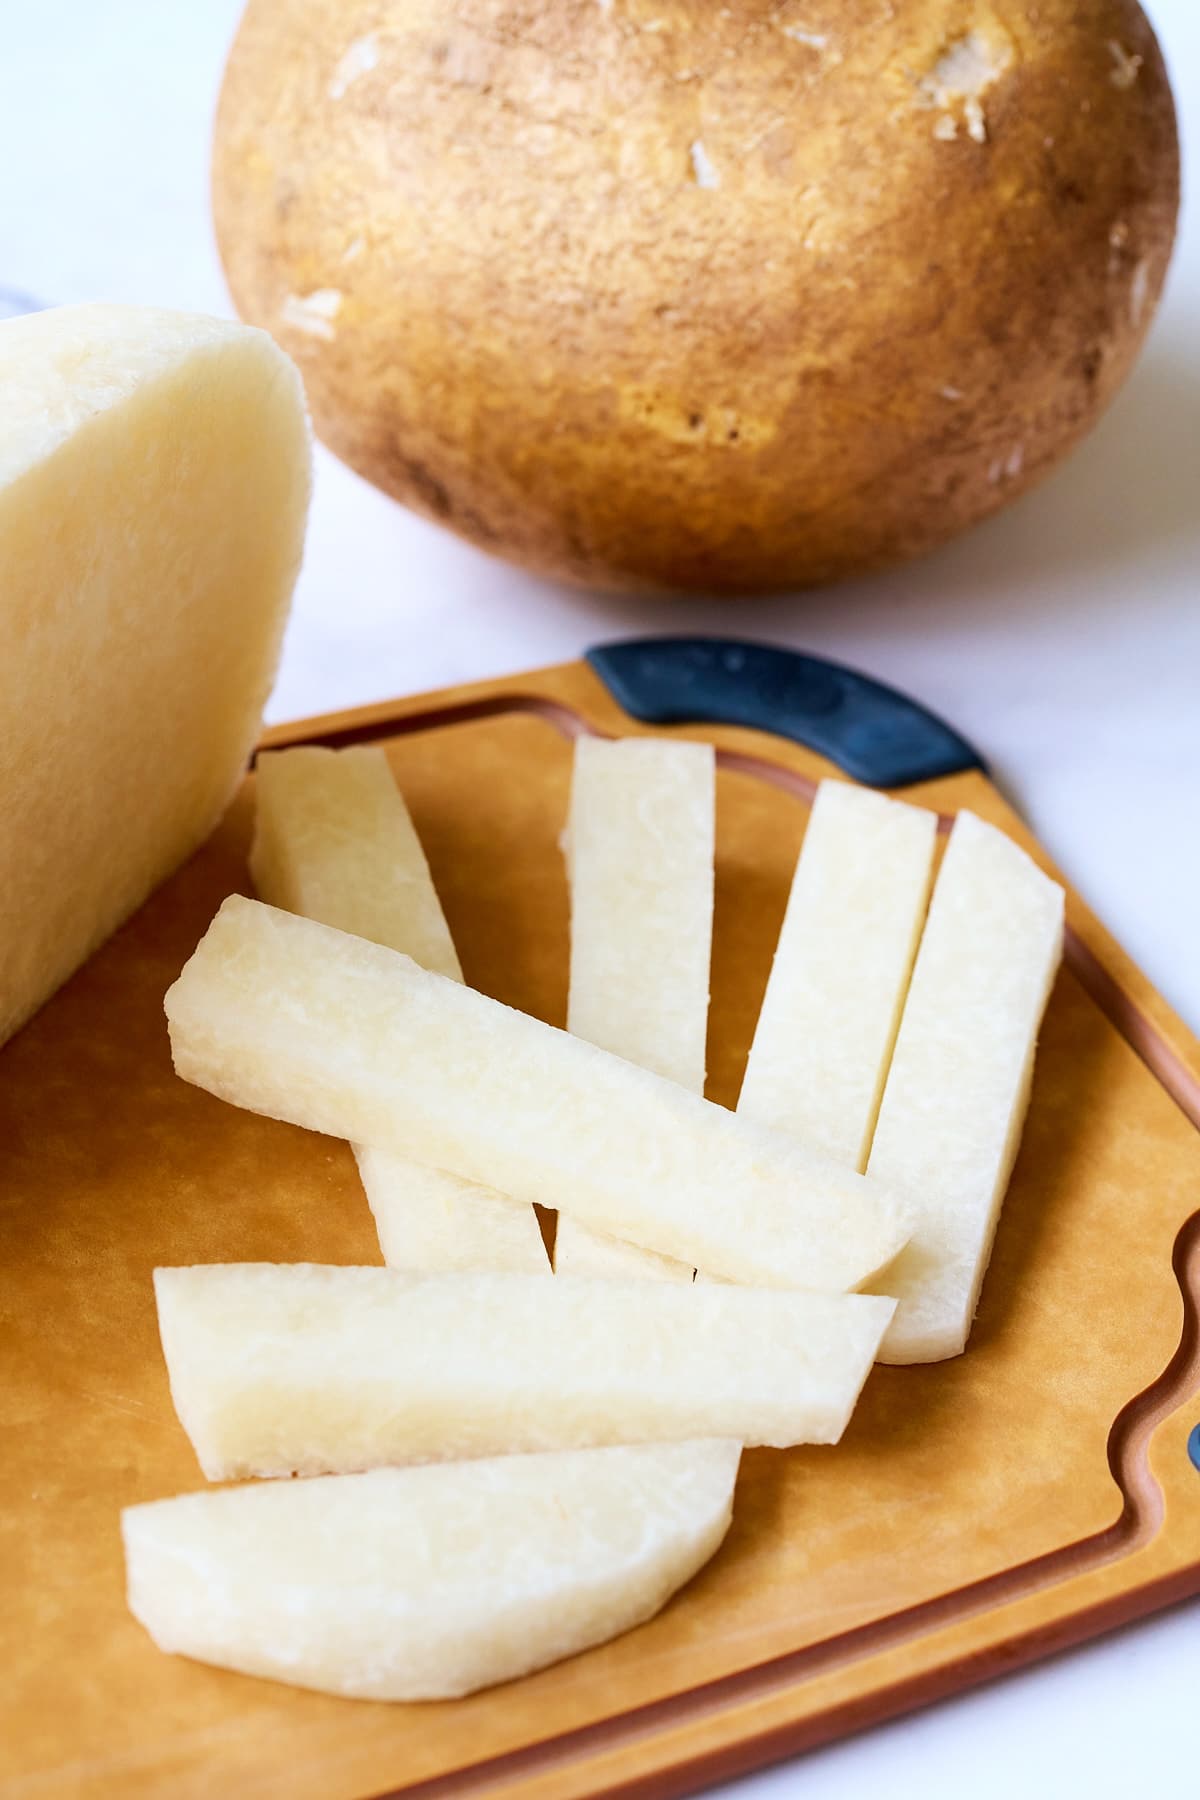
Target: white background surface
(1062, 638)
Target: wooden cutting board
(978, 1514)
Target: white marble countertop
(1063, 639)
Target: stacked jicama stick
(629, 1387)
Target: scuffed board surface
(971, 1507)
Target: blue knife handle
(874, 734)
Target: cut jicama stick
(639, 842)
(430, 1220)
(295, 1368)
(424, 1584)
(334, 842)
(956, 1095)
(295, 1020)
(828, 1021)
(581, 1250)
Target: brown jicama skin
(694, 296)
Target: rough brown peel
(678, 296)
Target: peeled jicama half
(154, 477)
